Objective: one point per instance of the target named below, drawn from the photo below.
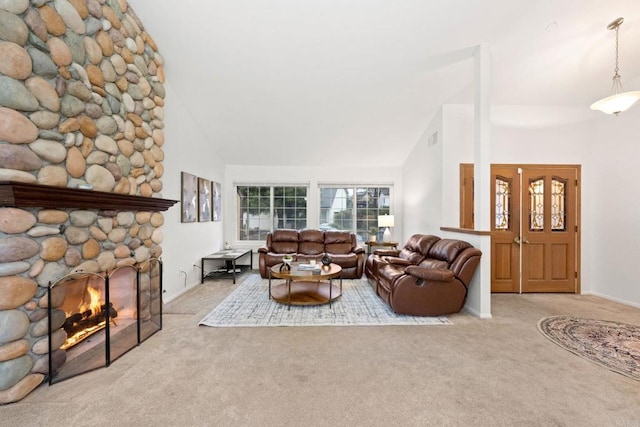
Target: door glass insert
(503, 204)
(536, 205)
(558, 212)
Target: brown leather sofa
(309, 244)
(429, 276)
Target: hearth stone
(13, 350)
(15, 291)
(13, 370)
(14, 325)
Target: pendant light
(620, 100)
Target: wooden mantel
(23, 195)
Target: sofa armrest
(358, 250)
(397, 261)
(430, 274)
(386, 252)
(263, 250)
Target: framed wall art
(204, 200)
(216, 190)
(189, 200)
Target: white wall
(457, 136)
(305, 176)
(613, 203)
(186, 150)
(422, 182)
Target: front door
(549, 230)
(534, 228)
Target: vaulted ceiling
(279, 82)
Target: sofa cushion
(388, 273)
(311, 242)
(272, 258)
(344, 260)
(447, 249)
(284, 241)
(338, 242)
(417, 248)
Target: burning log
(80, 321)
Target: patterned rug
(249, 305)
(614, 345)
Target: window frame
(361, 231)
(272, 197)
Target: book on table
(311, 267)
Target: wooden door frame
(466, 218)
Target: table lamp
(387, 222)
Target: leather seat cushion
(388, 273)
(344, 260)
(272, 258)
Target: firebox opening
(96, 318)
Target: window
(353, 208)
(264, 208)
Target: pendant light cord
(617, 85)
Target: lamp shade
(617, 103)
(385, 221)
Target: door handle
(516, 240)
(525, 241)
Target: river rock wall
(81, 105)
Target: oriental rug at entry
(614, 345)
(249, 305)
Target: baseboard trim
(171, 297)
(610, 298)
(476, 313)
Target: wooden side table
(393, 245)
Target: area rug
(249, 305)
(614, 345)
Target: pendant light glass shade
(620, 100)
(616, 104)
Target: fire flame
(94, 303)
(95, 306)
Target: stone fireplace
(81, 166)
(50, 256)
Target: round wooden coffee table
(305, 287)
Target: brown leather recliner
(414, 251)
(436, 286)
(305, 245)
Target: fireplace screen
(96, 318)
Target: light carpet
(249, 305)
(614, 345)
